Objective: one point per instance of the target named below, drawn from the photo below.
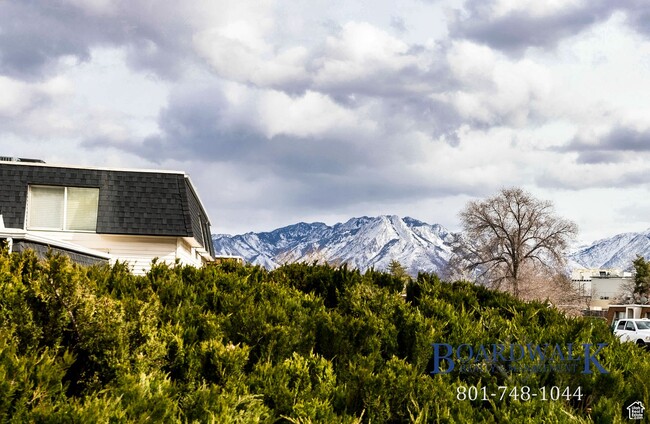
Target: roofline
(196, 193)
(635, 305)
(94, 168)
(60, 244)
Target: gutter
(16, 233)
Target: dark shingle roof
(130, 202)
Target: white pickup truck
(633, 330)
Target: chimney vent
(15, 159)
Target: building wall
(603, 286)
(608, 288)
(627, 311)
(137, 251)
(187, 254)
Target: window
(62, 208)
(643, 325)
(630, 326)
(621, 325)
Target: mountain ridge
(363, 243)
(617, 251)
(372, 242)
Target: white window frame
(65, 210)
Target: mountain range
(616, 252)
(362, 243)
(373, 242)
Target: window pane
(82, 209)
(643, 325)
(46, 208)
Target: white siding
(187, 254)
(137, 251)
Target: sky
(323, 110)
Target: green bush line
(305, 343)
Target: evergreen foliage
(305, 343)
(641, 291)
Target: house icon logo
(635, 410)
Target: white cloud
(360, 42)
(239, 52)
(312, 114)
(19, 98)
(471, 63)
(360, 53)
(537, 9)
(599, 69)
(495, 89)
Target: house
(100, 215)
(633, 311)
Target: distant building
(98, 215)
(600, 287)
(225, 259)
(616, 312)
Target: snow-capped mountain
(365, 243)
(614, 252)
(362, 243)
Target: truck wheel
(640, 343)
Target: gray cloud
(517, 30)
(620, 144)
(408, 80)
(194, 127)
(613, 147)
(191, 128)
(606, 161)
(620, 138)
(593, 177)
(41, 33)
(638, 16)
(36, 34)
(307, 172)
(600, 157)
(398, 24)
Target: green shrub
(305, 343)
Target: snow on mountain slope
(366, 242)
(362, 243)
(614, 252)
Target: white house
(97, 215)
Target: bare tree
(625, 293)
(507, 236)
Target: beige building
(601, 287)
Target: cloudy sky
(320, 110)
